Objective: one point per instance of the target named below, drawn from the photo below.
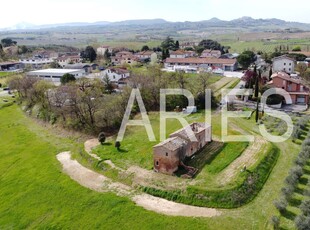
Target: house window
(289, 69)
(167, 154)
(113, 76)
(157, 163)
(284, 63)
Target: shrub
(302, 222)
(281, 205)
(117, 145)
(101, 137)
(305, 207)
(288, 191)
(275, 221)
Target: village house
(201, 63)
(182, 54)
(37, 62)
(211, 53)
(102, 49)
(124, 57)
(145, 55)
(170, 154)
(185, 45)
(115, 74)
(298, 92)
(45, 54)
(68, 59)
(283, 64)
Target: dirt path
(100, 183)
(248, 158)
(89, 145)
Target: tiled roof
(201, 61)
(172, 143)
(286, 77)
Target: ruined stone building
(169, 154)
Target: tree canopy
(211, 44)
(8, 42)
(89, 54)
(246, 59)
(66, 78)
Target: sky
(40, 12)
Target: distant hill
(245, 23)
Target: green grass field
(36, 194)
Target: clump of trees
(212, 45)
(66, 78)
(6, 42)
(246, 58)
(89, 54)
(302, 221)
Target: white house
(283, 64)
(36, 63)
(54, 75)
(115, 74)
(66, 59)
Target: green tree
(54, 65)
(145, 48)
(66, 78)
(296, 49)
(211, 44)
(257, 79)
(108, 86)
(89, 54)
(168, 44)
(8, 42)
(177, 45)
(246, 59)
(270, 73)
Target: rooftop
(201, 61)
(60, 71)
(172, 143)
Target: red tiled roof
(202, 61)
(286, 77)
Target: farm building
(170, 154)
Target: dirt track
(100, 183)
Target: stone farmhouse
(170, 154)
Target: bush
(281, 205)
(302, 222)
(117, 145)
(101, 138)
(275, 221)
(305, 207)
(288, 191)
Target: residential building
(54, 75)
(67, 59)
(115, 74)
(283, 64)
(201, 63)
(37, 62)
(11, 66)
(170, 154)
(185, 45)
(145, 55)
(102, 49)
(211, 53)
(299, 93)
(178, 54)
(124, 57)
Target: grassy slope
(34, 192)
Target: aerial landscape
(155, 115)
